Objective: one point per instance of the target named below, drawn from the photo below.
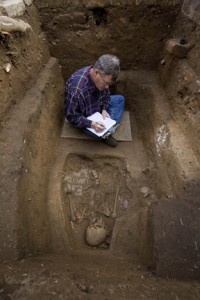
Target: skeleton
(94, 204)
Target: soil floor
(77, 277)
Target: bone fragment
(80, 216)
(114, 213)
(107, 210)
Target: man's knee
(117, 99)
(121, 99)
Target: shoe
(110, 141)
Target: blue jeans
(116, 107)
(115, 110)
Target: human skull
(96, 232)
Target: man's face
(102, 81)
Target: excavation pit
(53, 188)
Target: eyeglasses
(104, 82)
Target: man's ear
(96, 71)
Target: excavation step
(25, 164)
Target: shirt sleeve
(74, 110)
(106, 99)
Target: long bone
(73, 218)
(114, 213)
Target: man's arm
(74, 111)
(73, 106)
(106, 101)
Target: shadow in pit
(99, 191)
(176, 229)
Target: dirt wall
(80, 31)
(180, 76)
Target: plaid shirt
(83, 99)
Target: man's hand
(105, 114)
(98, 126)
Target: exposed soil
(100, 277)
(144, 193)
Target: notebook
(108, 122)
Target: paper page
(97, 117)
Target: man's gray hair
(108, 64)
